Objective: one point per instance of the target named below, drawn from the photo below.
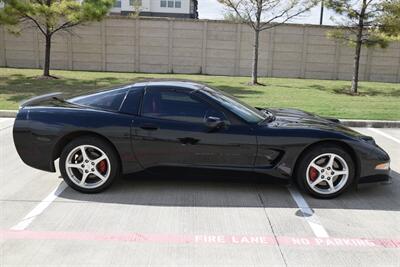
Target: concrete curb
(349, 123)
(8, 113)
(371, 123)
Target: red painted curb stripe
(202, 239)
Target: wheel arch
(338, 143)
(58, 148)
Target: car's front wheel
(325, 171)
(88, 164)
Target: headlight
(368, 139)
(383, 166)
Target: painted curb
(345, 122)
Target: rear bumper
(33, 152)
(34, 149)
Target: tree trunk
(356, 68)
(46, 67)
(254, 73)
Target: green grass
(324, 97)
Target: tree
(137, 8)
(50, 17)
(359, 27)
(390, 19)
(262, 15)
(232, 17)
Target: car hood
(294, 118)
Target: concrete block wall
(158, 45)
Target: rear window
(110, 100)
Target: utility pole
(321, 18)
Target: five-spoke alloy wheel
(325, 171)
(88, 164)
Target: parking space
(190, 220)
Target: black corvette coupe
(101, 135)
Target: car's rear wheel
(325, 171)
(89, 164)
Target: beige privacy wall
(198, 46)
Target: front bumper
(373, 162)
(384, 177)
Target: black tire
(309, 156)
(105, 147)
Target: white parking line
(308, 214)
(28, 219)
(388, 136)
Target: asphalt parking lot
(191, 221)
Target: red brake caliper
(102, 166)
(313, 174)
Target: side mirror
(214, 123)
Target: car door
(171, 131)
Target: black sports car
(101, 135)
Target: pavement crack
(272, 228)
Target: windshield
(244, 111)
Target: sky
(211, 9)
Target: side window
(132, 101)
(110, 100)
(178, 106)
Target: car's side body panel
(284, 145)
(279, 148)
(169, 142)
(190, 144)
(39, 130)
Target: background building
(157, 8)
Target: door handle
(149, 127)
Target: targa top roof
(184, 84)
